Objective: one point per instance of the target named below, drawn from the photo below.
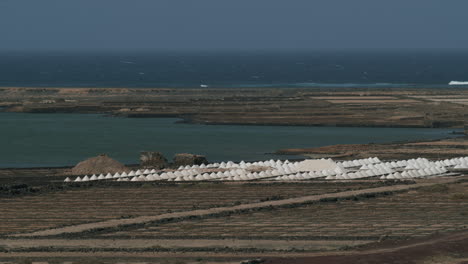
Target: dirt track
(178, 244)
(400, 252)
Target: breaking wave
(458, 83)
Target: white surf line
(231, 209)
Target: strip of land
(435, 149)
(177, 244)
(265, 106)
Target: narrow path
(177, 244)
(231, 209)
(462, 236)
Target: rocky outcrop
(150, 159)
(184, 159)
(98, 165)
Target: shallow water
(33, 140)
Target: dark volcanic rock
(184, 159)
(150, 159)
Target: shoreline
(443, 148)
(352, 107)
(314, 107)
(434, 149)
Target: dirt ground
(437, 249)
(275, 106)
(437, 149)
(225, 210)
(431, 214)
(70, 204)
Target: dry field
(439, 149)
(343, 107)
(31, 176)
(449, 99)
(418, 213)
(93, 204)
(348, 226)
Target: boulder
(97, 165)
(184, 159)
(150, 159)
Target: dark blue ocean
(235, 69)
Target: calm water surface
(29, 140)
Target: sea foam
(458, 83)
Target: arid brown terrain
(314, 221)
(437, 149)
(344, 107)
(297, 222)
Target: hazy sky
(233, 24)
